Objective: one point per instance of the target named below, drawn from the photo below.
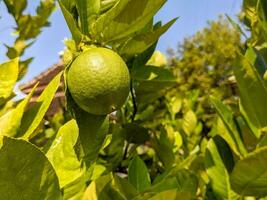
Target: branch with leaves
(28, 27)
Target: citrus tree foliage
(204, 62)
(28, 27)
(245, 131)
(202, 66)
(129, 154)
(254, 17)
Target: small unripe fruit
(99, 81)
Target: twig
(126, 151)
(134, 101)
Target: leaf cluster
(28, 27)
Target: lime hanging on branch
(99, 81)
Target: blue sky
(193, 17)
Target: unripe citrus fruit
(99, 81)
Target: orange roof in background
(44, 79)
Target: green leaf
(158, 59)
(262, 15)
(93, 130)
(146, 114)
(125, 18)
(172, 195)
(178, 141)
(29, 26)
(163, 146)
(222, 131)
(252, 17)
(11, 121)
(262, 9)
(189, 123)
(98, 171)
(33, 117)
(250, 140)
(143, 58)
(236, 26)
(209, 194)
(44, 10)
(151, 82)
(250, 173)
(138, 174)
(9, 72)
(28, 175)
(18, 48)
(232, 137)
(175, 105)
(102, 22)
(255, 131)
(249, 72)
(216, 169)
(106, 5)
(23, 67)
(16, 7)
(62, 156)
(75, 32)
(115, 150)
(125, 188)
(135, 133)
(88, 11)
(249, 8)
(181, 180)
(262, 142)
(70, 5)
(96, 187)
(109, 187)
(142, 42)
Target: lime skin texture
(99, 81)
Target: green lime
(99, 81)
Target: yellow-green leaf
(189, 122)
(9, 72)
(249, 175)
(26, 173)
(125, 18)
(62, 156)
(217, 171)
(138, 174)
(10, 122)
(33, 116)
